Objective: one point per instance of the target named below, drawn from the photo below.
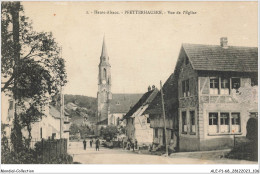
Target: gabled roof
(217, 58)
(121, 103)
(147, 98)
(54, 112)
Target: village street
(120, 156)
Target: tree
(74, 129)
(32, 68)
(109, 132)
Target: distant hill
(81, 109)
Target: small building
(137, 123)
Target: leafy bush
(109, 132)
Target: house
(47, 127)
(137, 123)
(209, 97)
(217, 87)
(170, 91)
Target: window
(148, 120)
(192, 121)
(214, 85)
(225, 86)
(185, 88)
(105, 73)
(254, 114)
(213, 118)
(213, 122)
(184, 121)
(156, 132)
(224, 118)
(126, 121)
(235, 119)
(235, 83)
(236, 127)
(224, 122)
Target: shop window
(225, 86)
(192, 122)
(184, 121)
(214, 85)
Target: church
(111, 107)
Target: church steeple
(104, 94)
(104, 50)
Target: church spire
(104, 49)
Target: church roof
(121, 103)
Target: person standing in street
(97, 144)
(90, 142)
(85, 144)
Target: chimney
(153, 87)
(224, 42)
(149, 88)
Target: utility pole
(61, 106)
(164, 121)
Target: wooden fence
(47, 149)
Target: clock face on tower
(104, 82)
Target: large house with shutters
(209, 97)
(217, 88)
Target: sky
(143, 49)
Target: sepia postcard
(140, 83)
